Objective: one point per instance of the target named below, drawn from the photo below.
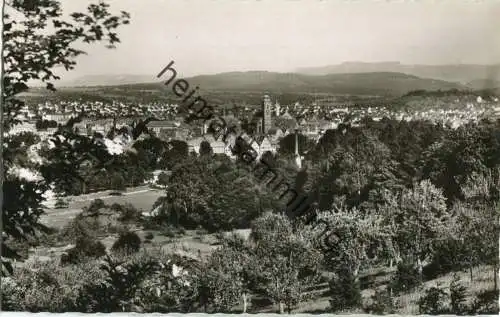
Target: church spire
(298, 158)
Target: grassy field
(141, 197)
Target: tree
(358, 166)
(420, 221)
(223, 277)
(163, 179)
(206, 149)
(286, 261)
(287, 144)
(32, 52)
(117, 182)
(479, 219)
(215, 194)
(352, 239)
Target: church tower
(298, 158)
(266, 111)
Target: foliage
(20, 214)
(128, 213)
(433, 302)
(286, 261)
(32, 52)
(357, 166)
(420, 221)
(118, 291)
(214, 193)
(206, 149)
(95, 205)
(352, 240)
(486, 302)
(287, 144)
(405, 278)
(163, 179)
(84, 249)
(47, 287)
(222, 281)
(117, 182)
(345, 292)
(127, 242)
(382, 303)
(458, 295)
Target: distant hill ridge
(349, 83)
(467, 74)
(354, 83)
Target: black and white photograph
(311, 157)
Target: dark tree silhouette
(33, 55)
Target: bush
(486, 302)
(169, 232)
(128, 242)
(433, 302)
(76, 229)
(149, 236)
(85, 248)
(95, 205)
(458, 294)
(448, 257)
(47, 287)
(123, 289)
(345, 292)
(405, 279)
(382, 302)
(128, 213)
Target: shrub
(116, 207)
(449, 256)
(128, 242)
(76, 229)
(169, 232)
(405, 279)
(8, 290)
(486, 302)
(433, 302)
(149, 236)
(47, 287)
(129, 213)
(85, 248)
(345, 292)
(382, 302)
(95, 205)
(122, 290)
(458, 297)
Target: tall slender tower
(298, 159)
(266, 110)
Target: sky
(213, 36)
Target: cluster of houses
(97, 109)
(271, 121)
